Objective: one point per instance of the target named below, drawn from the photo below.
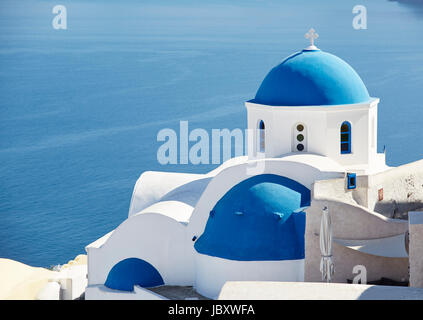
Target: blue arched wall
(133, 271)
(258, 219)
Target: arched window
(262, 136)
(345, 137)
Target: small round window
(299, 138)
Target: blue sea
(80, 108)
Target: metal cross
(312, 35)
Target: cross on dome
(312, 35)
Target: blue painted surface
(310, 78)
(133, 271)
(352, 180)
(255, 221)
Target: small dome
(311, 78)
(257, 220)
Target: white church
(257, 217)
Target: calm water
(80, 108)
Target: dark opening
(345, 137)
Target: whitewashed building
(246, 220)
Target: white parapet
(416, 248)
(72, 280)
(267, 290)
(51, 291)
(101, 292)
(213, 272)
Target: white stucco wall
(322, 133)
(416, 249)
(212, 272)
(155, 238)
(100, 292)
(257, 290)
(152, 186)
(402, 189)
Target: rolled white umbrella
(326, 264)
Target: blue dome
(311, 78)
(257, 220)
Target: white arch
(153, 237)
